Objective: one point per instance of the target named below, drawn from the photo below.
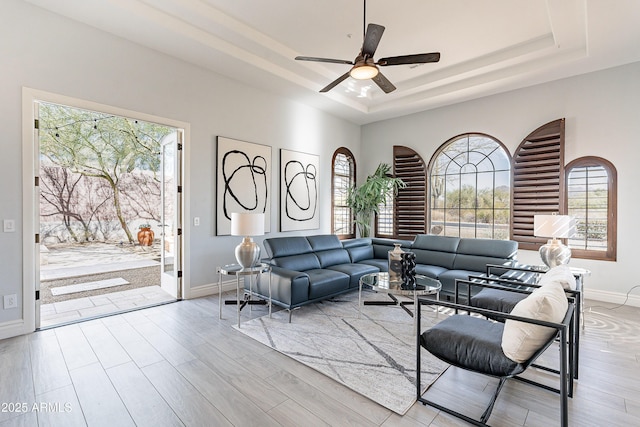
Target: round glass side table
(239, 271)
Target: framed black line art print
(243, 181)
(299, 187)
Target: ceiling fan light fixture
(364, 72)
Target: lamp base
(248, 253)
(554, 253)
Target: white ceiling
(487, 46)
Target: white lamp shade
(555, 226)
(247, 224)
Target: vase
(409, 270)
(395, 265)
(145, 236)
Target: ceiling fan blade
(421, 58)
(335, 83)
(384, 83)
(371, 39)
(333, 61)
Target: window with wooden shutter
(410, 204)
(538, 181)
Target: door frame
(30, 202)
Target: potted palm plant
(366, 199)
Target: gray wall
(602, 112)
(44, 51)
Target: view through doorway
(109, 213)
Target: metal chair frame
(565, 344)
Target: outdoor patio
(97, 279)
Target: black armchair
(503, 294)
(476, 344)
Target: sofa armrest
(289, 286)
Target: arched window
(343, 176)
(591, 199)
(470, 194)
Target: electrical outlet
(196, 221)
(10, 301)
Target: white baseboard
(612, 297)
(212, 289)
(12, 328)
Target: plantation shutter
(538, 178)
(410, 207)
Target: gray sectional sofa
(311, 268)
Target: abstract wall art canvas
(299, 187)
(243, 181)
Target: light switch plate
(9, 225)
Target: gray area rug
(374, 355)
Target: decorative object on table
(145, 235)
(554, 252)
(247, 225)
(395, 265)
(366, 199)
(243, 181)
(374, 356)
(409, 270)
(299, 187)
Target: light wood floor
(178, 364)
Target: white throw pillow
(521, 340)
(561, 274)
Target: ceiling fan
(364, 66)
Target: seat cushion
(380, 264)
(354, 271)
(324, 282)
(471, 343)
(520, 340)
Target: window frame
(352, 182)
(612, 200)
(430, 174)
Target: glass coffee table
(380, 282)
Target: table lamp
(247, 224)
(554, 253)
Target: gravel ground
(138, 278)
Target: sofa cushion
(433, 271)
(436, 243)
(324, 242)
(355, 271)
(448, 280)
(475, 254)
(333, 257)
(379, 263)
(521, 340)
(470, 342)
(435, 250)
(358, 253)
(286, 246)
(324, 282)
(301, 262)
(352, 243)
(381, 247)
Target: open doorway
(109, 213)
